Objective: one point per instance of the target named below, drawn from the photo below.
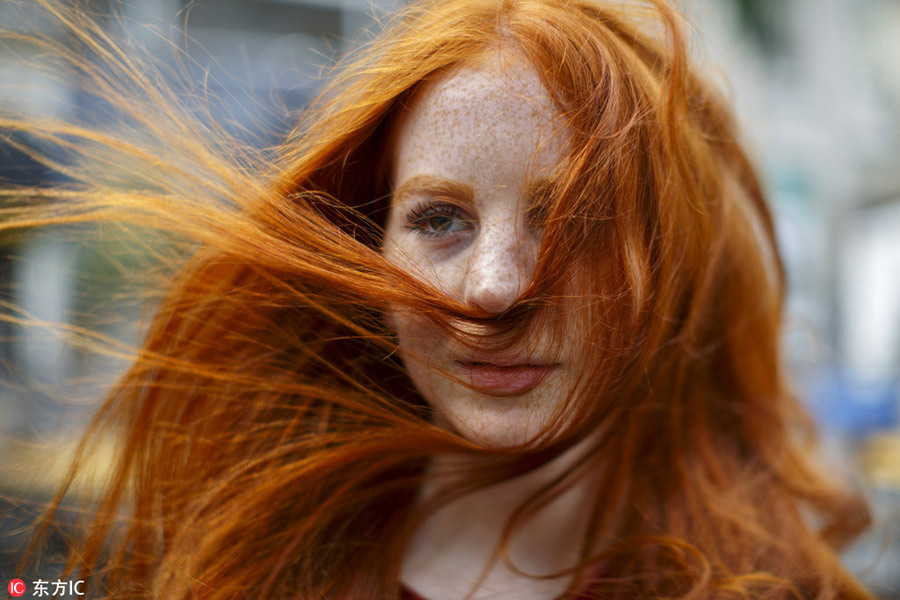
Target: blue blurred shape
(849, 404)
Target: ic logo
(16, 588)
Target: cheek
(439, 263)
(419, 341)
(424, 351)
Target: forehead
(493, 116)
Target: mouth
(505, 378)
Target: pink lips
(505, 379)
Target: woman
(500, 319)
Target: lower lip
(505, 381)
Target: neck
(453, 553)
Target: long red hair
(269, 441)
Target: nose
(499, 268)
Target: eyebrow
(432, 185)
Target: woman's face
(471, 154)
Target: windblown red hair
(269, 439)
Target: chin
(492, 421)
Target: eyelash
(418, 217)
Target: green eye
(442, 223)
(438, 219)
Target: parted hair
(268, 439)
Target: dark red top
(408, 594)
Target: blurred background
(815, 83)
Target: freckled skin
(492, 127)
